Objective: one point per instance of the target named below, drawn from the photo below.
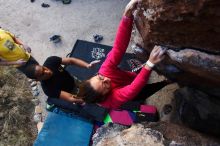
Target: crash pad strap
(88, 111)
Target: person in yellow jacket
(13, 52)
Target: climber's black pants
(147, 91)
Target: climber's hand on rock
(131, 6)
(157, 54)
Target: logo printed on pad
(98, 53)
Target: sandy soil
(81, 19)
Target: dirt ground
(81, 19)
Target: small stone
(36, 93)
(34, 88)
(37, 118)
(34, 83)
(38, 110)
(35, 101)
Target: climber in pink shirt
(112, 87)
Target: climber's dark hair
(88, 94)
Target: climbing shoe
(55, 38)
(45, 5)
(97, 38)
(66, 1)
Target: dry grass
(16, 109)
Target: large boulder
(150, 134)
(198, 110)
(190, 31)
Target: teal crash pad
(62, 129)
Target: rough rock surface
(182, 135)
(150, 134)
(117, 135)
(198, 110)
(190, 31)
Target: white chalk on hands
(95, 61)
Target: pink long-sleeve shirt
(125, 85)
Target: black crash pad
(89, 51)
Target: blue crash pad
(62, 129)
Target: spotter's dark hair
(31, 71)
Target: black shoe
(97, 38)
(66, 1)
(45, 5)
(55, 38)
